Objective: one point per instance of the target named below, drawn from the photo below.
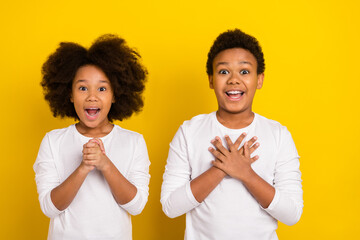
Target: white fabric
(94, 213)
(230, 211)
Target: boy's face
(235, 80)
(92, 96)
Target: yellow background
(311, 85)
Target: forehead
(90, 72)
(235, 55)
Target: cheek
(77, 108)
(250, 83)
(108, 100)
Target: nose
(92, 96)
(234, 79)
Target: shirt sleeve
(287, 203)
(176, 194)
(46, 178)
(139, 176)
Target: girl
(91, 175)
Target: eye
(101, 89)
(223, 71)
(242, 72)
(82, 88)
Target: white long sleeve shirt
(94, 213)
(230, 211)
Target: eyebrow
(83, 80)
(226, 63)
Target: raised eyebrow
(245, 62)
(221, 63)
(226, 63)
(80, 81)
(83, 80)
(105, 81)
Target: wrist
(84, 169)
(106, 166)
(218, 172)
(248, 177)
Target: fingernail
(255, 138)
(210, 148)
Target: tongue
(91, 112)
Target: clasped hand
(94, 155)
(233, 161)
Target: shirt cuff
(132, 202)
(52, 211)
(190, 195)
(274, 202)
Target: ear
(260, 80)
(71, 98)
(211, 84)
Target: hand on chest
(200, 157)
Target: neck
(235, 120)
(94, 132)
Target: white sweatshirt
(94, 213)
(230, 211)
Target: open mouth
(92, 113)
(235, 94)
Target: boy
(233, 172)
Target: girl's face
(92, 96)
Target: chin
(90, 124)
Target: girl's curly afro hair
(235, 39)
(111, 54)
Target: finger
(89, 162)
(89, 150)
(100, 143)
(90, 144)
(217, 154)
(253, 159)
(254, 147)
(92, 147)
(230, 144)
(95, 142)
(239, 140)
(217, 164)
(218, 144)
(102, 146)
(87, 157)
(252, 141)
(246, 150)
(91, 156)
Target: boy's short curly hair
(235, 39)
(111, 54)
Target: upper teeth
(234, 92)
